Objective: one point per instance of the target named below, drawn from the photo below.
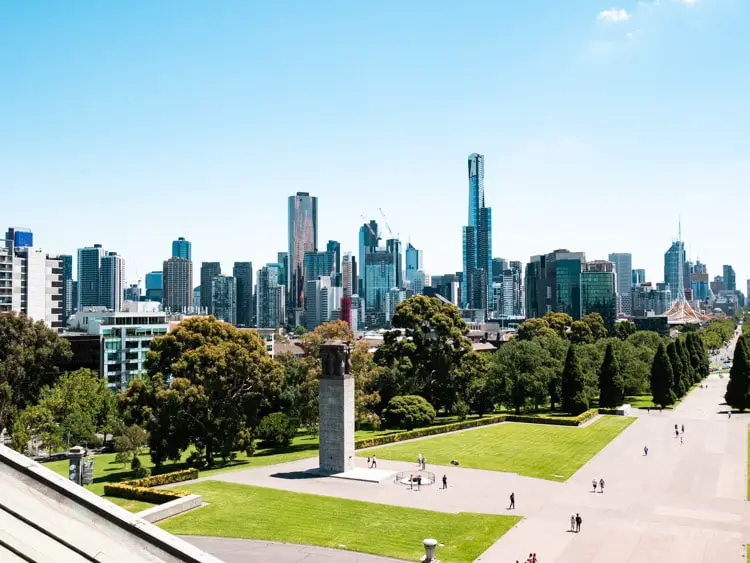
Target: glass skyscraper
(270, 298)
(303, 237)
(224, 299)
(639, 276)
(155, 286)
(553, 284)
(243, 273)
(335, 247)
(209, 270)
(730, 279)
(89, 277)
(112, 281)
(674, 258)
(413, 263)
(182, 248)
(624, 270)
(368, 242)
(380, 276)
(477, 242)
(599, 290)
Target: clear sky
(132, 123)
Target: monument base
(360, 474)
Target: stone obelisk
(336, 406)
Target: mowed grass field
(534, 450)
(242, 511)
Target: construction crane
(385, 221)
(373, 233)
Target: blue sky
(130, 124)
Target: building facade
(380, 277)
(674, 260)
(369, 240)
(334, 246)
(599, 285)
(89, 277)
(68, 288)
(699, 281)
(624, 270)
(639, 277)
(270, 298)
(209, 270)
(155, 286)
(224, 298)
(730, 278)
(177, 280)
(477, 242)
(303, 237)
(243, 273)
(413, 264)
(553, 284)
(182, 248)
(112, 281)
(317, 264)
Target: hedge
(609, 411)
(154, 496)
(140, 489)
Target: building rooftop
(45, 518)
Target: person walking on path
(445, 481)
(645, 450)
(419, 460)
(579, 521)
(683, 428)
(601, 485)
(572, 522)
(512, 501)
(424, 463)
(374, 463)
(368, 462)
(680, 440)
(594, 483)
(676, 433)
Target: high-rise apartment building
(335, 247)
(209, 270)
(413, 264)
(270, 298)
(243, 273)
(553, 284)
(650, 300)
(182, 248)
(639, 277)
(112, 281)
(699, 281)
(730, 278)
(394, 247)
(477, 242)
(393, 298)
(155, 286)
(68, 287)
(599, 283)
(303, 237)
(507, 293)
(674, 260)
(322, 298)
(369, 240)
(177, 279)
(624, 270)
(380, 276)
(224, 298)
(348, 275)
(89, 277)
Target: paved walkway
(231, 550)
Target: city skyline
(392, 133)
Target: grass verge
(542, 451)
(242, 511)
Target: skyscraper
(348, 274)
(599, 290)
(674, 258)
(730, 279)
(413, 263)
(624, 270)
(243, 273)
(380, 276)
(317, 264)
(394, 247)
(224, 298)
(270, 298)
(368, 242)
(639, 276)
(335, 247)
(477, 242)
(699, 281)
(303, 237)
(68, 296)
(321, 299)
(282, 259)
(112, 281)
(89, 277)
(553, 284)
(182, 248)
(209, 270)
(178, 285)
(499, 265)
(155, 286)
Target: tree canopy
(574, 399)
(611, 384)
(662, 378)
(738, 387)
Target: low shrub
(460, 410)
(408, 411)
(145, 494)
(431, 431)
(276, 429)
(164, 478)
(608, 411)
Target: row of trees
(738, 388)
(677, 367)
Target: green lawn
(242, 511)
(535, 450)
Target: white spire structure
(681, 312)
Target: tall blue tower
(477, 242)
(182, 248)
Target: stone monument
(336, 407)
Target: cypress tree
(677, 370)
(611, 383)
(738, 388)
(573, 397)
(662, 378)
(688, 375)
(693, 351)
(703, 359)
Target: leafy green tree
(276, 429)
(623, 329)
(300, 389)
(559, 322)
(427, 344)
(688, 375)
(596, 323)
(299, 331)
(678, 371)
(611, 384)
(532, 328)
(519, 374)
(580, 333)
(37, 424)
(662, 378)
(574, 399)
(646, 338)
(698, 356)
(635, 366)
(336, 330)
(366, 373)
(738, 388)
(31, 356)
(410, 411)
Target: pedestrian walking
(512, 501)
(424, 463)
(601, 485)
(683, 428)
(579, 521)
(648, 410)
(533, 558)
(445, 481)
(676, 433)
(594, 483)
(730, 415)
(419, 460)
(680, 440)
(374, 463)
(572, 522)
(368, 462)
(645, 450)
(675, 428)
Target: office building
(197, 298)
(303, 237)
(132, 293)
(512, 295)
(177, 278)
(699, 281)
(393, 298)
(553, 284)
(155, 286)
(125, 338)
(209, 270)
(317, 264)
(413, 264)
(182, 248)
(639, 277)
(499, 265)
(418, 282)
(335, 247)
(270, 298)
(380, 276)
(447, 286)
(243, 273)
(282, 260)
(730, 279)
(599, 284)
(394, 247)
(68, 288)
(224, 298)
(322, 298)
(651, 301)
(477, 242)
(19, 237)
(89, 277)
(674, 259)
(112, 281)
(624, 270)
(348, 275)
(369, 240)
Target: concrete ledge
(171, 508)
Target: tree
(428, 343)
(31, 356)
(646, 338)
(366, 373)
(532, 328)
(519, 374)
(688, 376)
(677, 370)
(611, 384)
(738, 388)
(35, 424)
(559, 322)
(336, 330)
(299, 331)
(662, 378)
(300, 389)
(276, 429)
(623, 329)
(580, 333)
(698, 356)
(574, 399)
(410, 411)
(222, 383)
(596, 323)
